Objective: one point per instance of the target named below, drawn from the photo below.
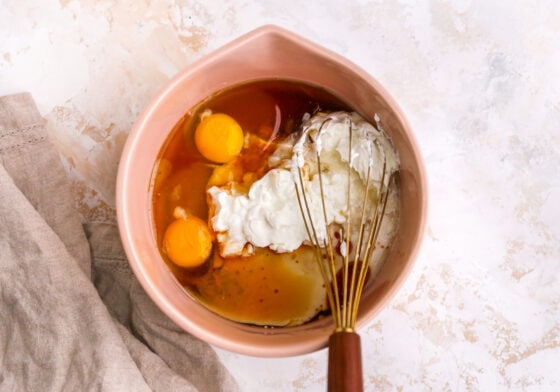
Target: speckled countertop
(480, 84)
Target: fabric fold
(60, 330)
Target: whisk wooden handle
(345, 363)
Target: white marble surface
(478, 80)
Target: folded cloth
(72, 315)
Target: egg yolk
(219, 137)
(187, 241)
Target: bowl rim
(123, 175)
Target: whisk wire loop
(346, 260)
(354, 287)
(313, 238)
(344, 294)
(330, 253)
(375, 228)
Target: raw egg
(187, 241)
(218, 137)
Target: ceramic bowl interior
(268, 52)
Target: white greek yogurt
(268, 215)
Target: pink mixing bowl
(267, 52)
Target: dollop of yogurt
(269, 215)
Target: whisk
(344, 268)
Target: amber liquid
(265, 288)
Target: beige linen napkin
(72, 315)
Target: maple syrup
(266, 288)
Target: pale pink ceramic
(267, 52)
